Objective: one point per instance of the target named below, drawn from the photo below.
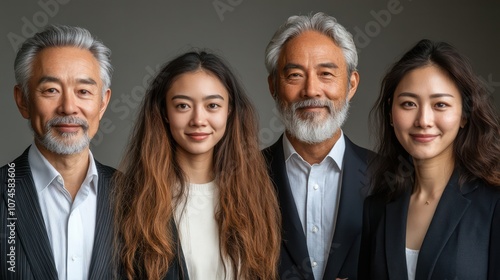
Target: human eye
(49, 91)
(182, 106)
(408, 104)
(441, 105)
(84, 92)
(213, 106)
(327, 72)
(293, 75)
(327, 76)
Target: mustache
(68, 120)
(313, 103)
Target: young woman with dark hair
(194, 200)
(435, 208)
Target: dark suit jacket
(344, 250)
(462, 242)
(177, 268)
(33, 254)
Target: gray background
(142, 36)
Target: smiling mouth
(67, 128)
(198, 136)
(307, 108)
(423, 138)
(312, 111)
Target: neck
(314, 153)
(198, 169)
(431, 178)
(73, 168)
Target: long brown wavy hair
(476, 148)
(147, 190)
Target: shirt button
(315, 229)
(73, 258)
(315, 187)
(314, 264)
(59, 179)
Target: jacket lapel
(449, 211)
(178, 269)
(30, 224)
(100, 264)
(395, 236)
(350, 212)
(293, 236)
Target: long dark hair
(146, 192)
(476, 148)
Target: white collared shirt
(316, 191)
(70, 224)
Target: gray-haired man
(55, 220)
(318, 172)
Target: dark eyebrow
(434, 95)
(213, 96)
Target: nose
(425, 117)
(67, 104)
(199, 117)
(312, 87)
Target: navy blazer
(343, 259)
(21, 221)
(462, 242)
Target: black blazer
(177, 268)
(462, 242)
(33, 254)
(343, 259)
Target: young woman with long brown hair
(194, 200)
(435, 208)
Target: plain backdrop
(144, 35)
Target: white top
(70, 224)
(316, 191)
(411, 262)
(199, 233)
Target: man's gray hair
(61, 36)
(320, 22)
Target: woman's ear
(463, 122)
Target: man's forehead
(320, 52)
(70, 63)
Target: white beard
(309, 127)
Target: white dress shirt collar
(336, 153)
(44, 173)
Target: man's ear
(21, 102)
(105, 101)
(353, 83)
(271, 85)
